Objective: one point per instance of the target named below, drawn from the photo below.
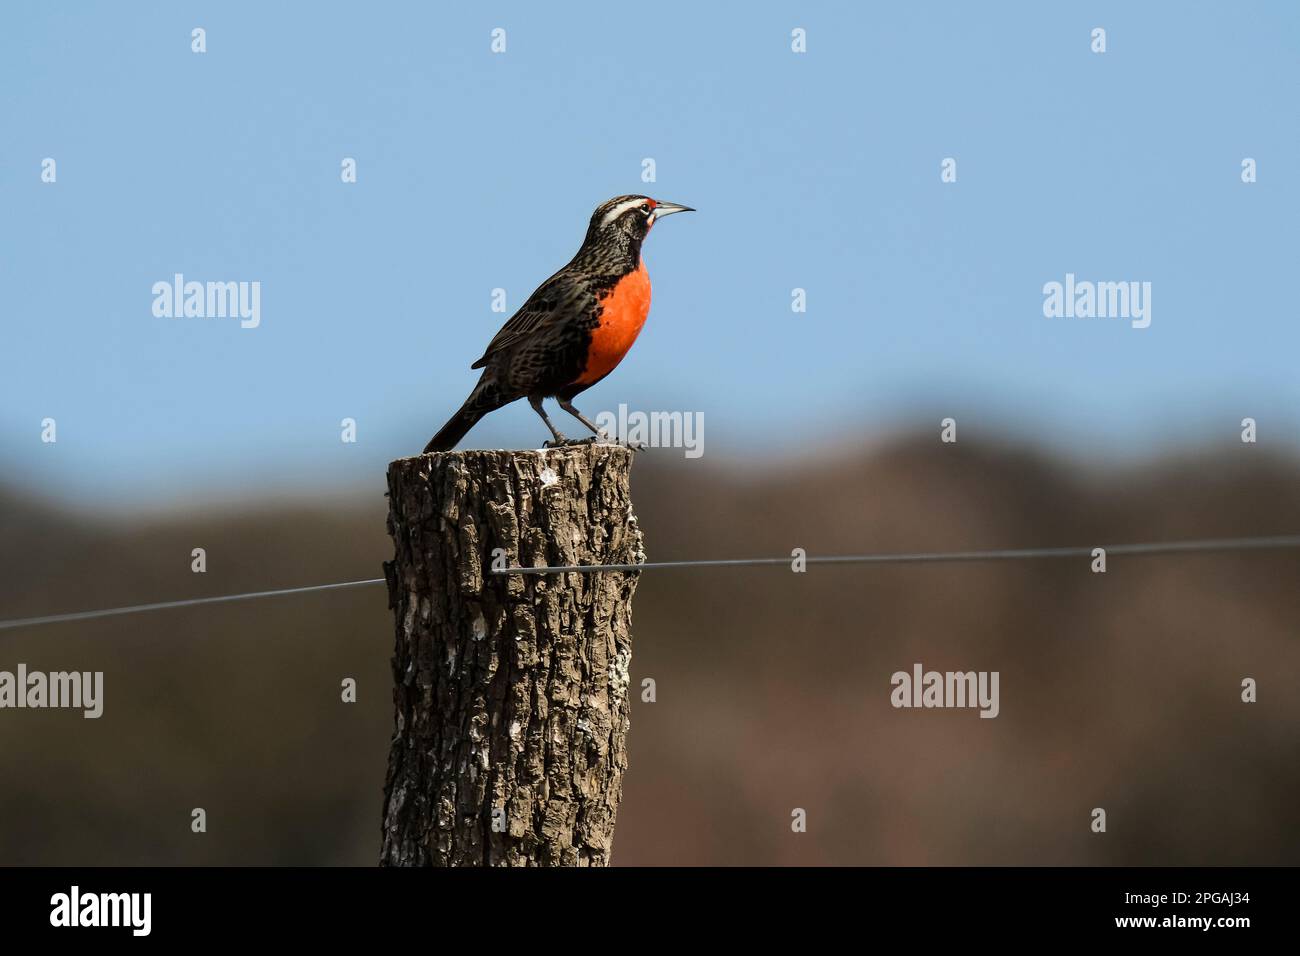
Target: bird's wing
(533, 314)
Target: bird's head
(630, 216)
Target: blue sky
(479, 170)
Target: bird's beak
(668, 208)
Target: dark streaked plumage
(574, 328)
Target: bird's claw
(593, 440)
(608, 439)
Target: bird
(574, 329)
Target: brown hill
(1119, 690)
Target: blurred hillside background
(817, 171)
(1119, 690)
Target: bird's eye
(645, 207)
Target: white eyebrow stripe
(621, 208)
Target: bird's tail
(482, 400)
(455, 429)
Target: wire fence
(1204, 545)
(946, 557)
(167, 605)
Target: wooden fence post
(511, 691)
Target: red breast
(623, 311)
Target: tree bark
(511, 691)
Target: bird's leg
(567, 405)
(536, 402)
